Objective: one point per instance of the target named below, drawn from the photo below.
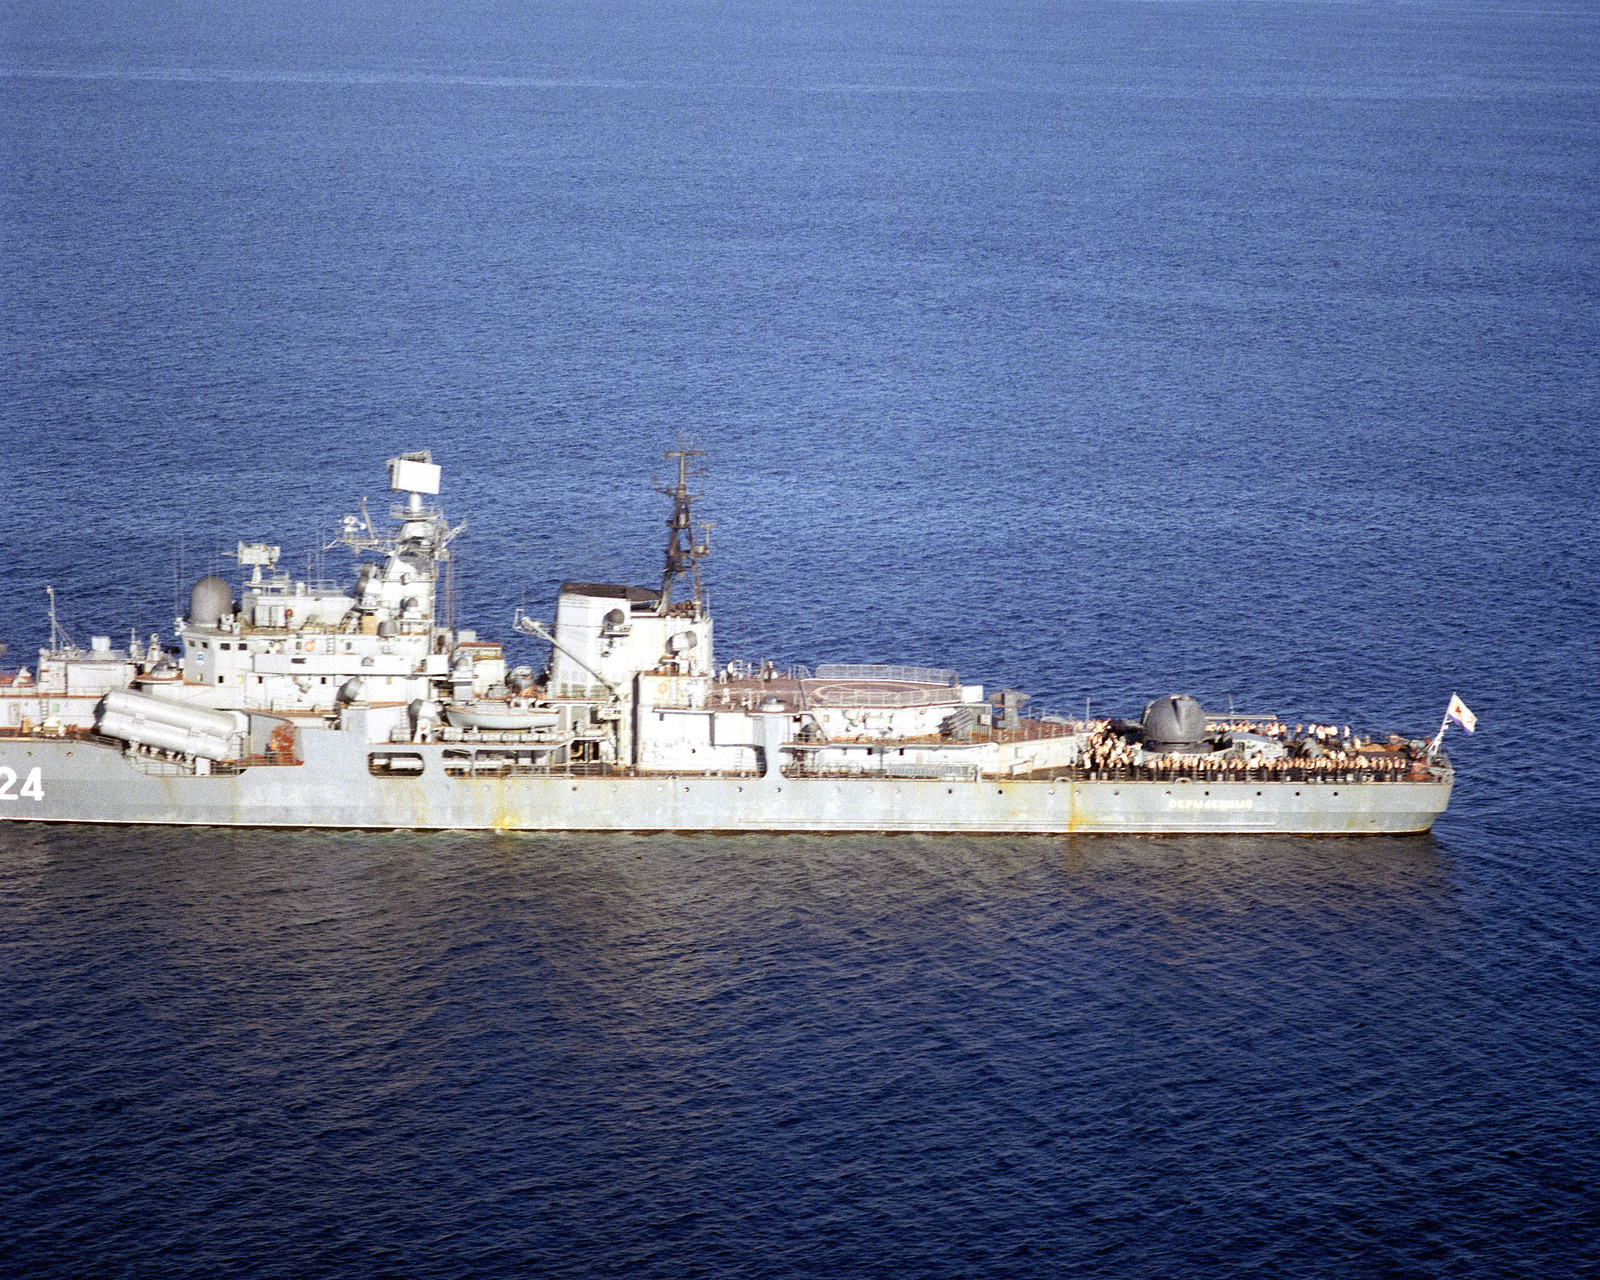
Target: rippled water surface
(275, 1052)
(1100, 350)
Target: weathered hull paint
(90, 782)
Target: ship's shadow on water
(469, 1051)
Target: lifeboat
(498, 713)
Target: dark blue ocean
(1103, 350)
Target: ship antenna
(58, 633)
(683, 552)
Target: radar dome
(1174, 721)
(210, 602)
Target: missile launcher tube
(173, 726)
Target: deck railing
(1076, 773)
(879, 671)
(948, 772)
(856, 697)
(1403, 771)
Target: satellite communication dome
(1174, 721)
(210, 601)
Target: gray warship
(357, 705)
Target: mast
(59, 633)
(683, 552)
(416, 557)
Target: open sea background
(1101, 349)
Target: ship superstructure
(360, 704)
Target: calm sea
(1103, 350)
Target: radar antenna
(683, 552)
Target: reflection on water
(584, 1037)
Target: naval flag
(1458, 712)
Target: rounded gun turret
(1174, 723)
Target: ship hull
(78, 780)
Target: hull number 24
(32, 785)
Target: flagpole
(1438, 738)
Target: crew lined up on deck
(1272, 729)
(1107, 751)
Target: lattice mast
(683, 552)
